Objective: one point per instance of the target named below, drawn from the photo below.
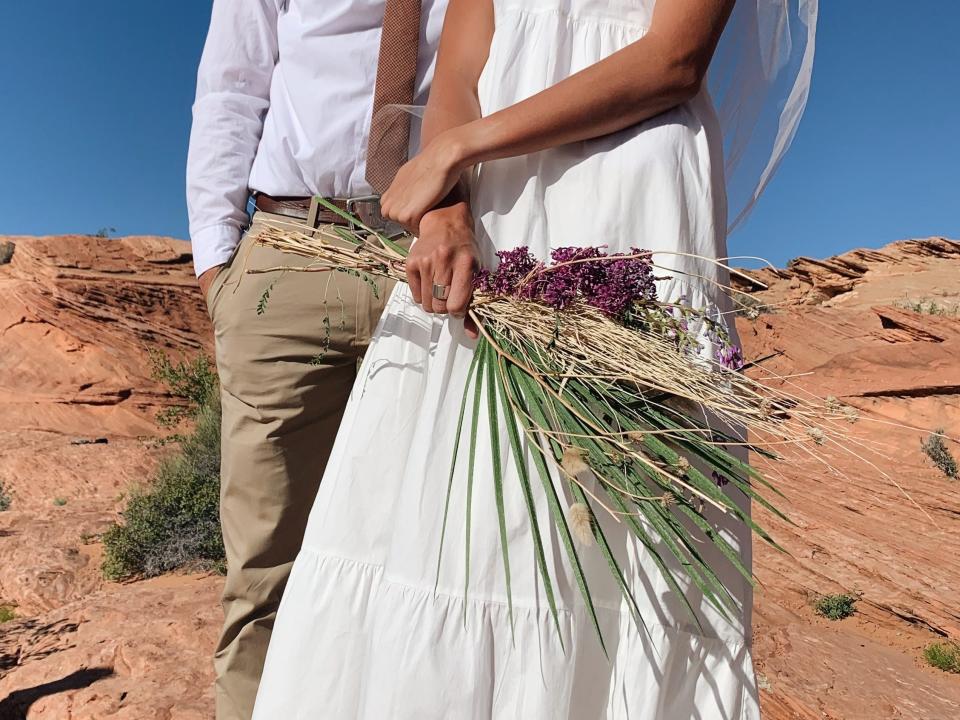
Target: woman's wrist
(466, 145)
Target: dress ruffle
(409, 653)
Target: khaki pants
(285, 380)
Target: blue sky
(96, 114)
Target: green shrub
(836, 607)
(6, 252)
(6, 614)
(195, 382)
(6, 500)
(944, 655)
(174, 522)
(59, 502)
(935, 448)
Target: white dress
(368, 628)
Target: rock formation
(841, 327)
(77, 318)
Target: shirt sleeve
(233, 95)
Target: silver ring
(441, 292)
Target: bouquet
(606, 382)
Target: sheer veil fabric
(760, 81)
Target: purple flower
(613, 286)
(562, 283)
(622, 286)
(625, 282)
(514, 266)
(730, 356)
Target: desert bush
(944, 655)
(836, 607)
(6, 500)
(193, 381)
(6, 252)
(751, 307)
(6, 614)
(927, 306)
(174, 521)
(935, 448)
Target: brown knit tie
(389, 140)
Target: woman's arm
(464, 47)
(663, 69)
(445, 252)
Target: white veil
(760, 81)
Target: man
(285, 95)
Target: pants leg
(285, 377)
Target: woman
(588, 124)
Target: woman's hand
(423, 182)
(445, 254)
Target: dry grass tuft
(935, 448)
(928, 306)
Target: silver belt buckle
(367, 209)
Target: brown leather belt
(366, 209)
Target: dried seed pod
(574, 461)
(616, 458)
(581, 523)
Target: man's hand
(445, 254)
(207, 277)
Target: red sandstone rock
(79, 313)
(838, 320)
(131, 652)
(77, 318)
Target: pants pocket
(213, 292)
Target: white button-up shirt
(284, 97)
